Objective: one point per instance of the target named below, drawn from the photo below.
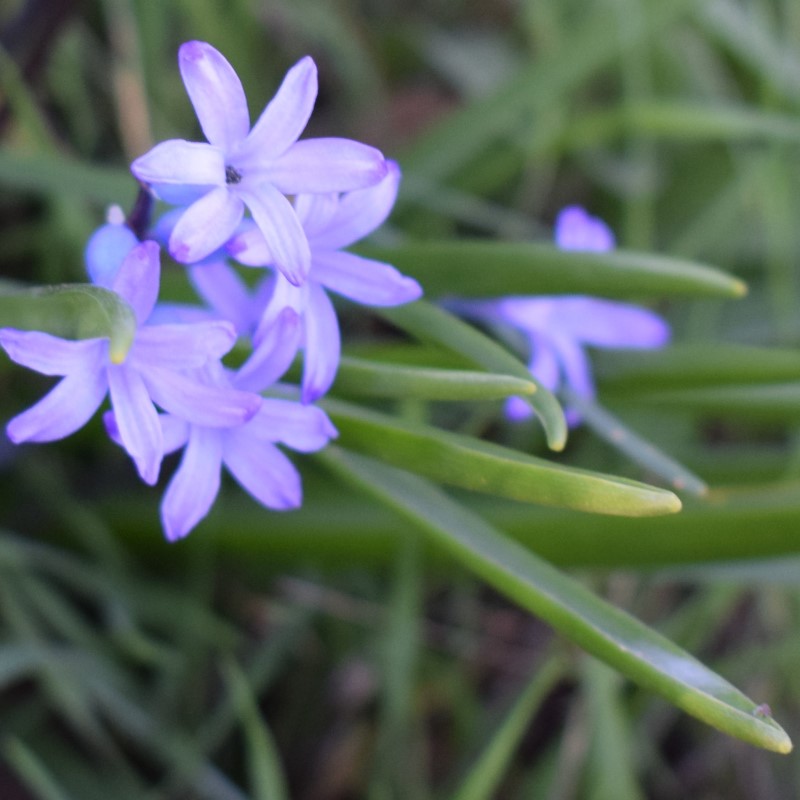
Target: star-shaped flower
(558, 328)
(248, 167)
(154, 370)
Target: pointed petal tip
(194, 50)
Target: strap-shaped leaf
(72, 311)
(361, 377)
(429, 323)
(481, 268)
(483, 467)
(615, 637)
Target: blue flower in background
(154, 370)
(558, 328)
(331, 222)
(248, 167)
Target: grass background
(333, 654)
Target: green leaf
(57, 174)
(428, 323)
(647, 455)
(481, 268)
(72, 311)
(697, 365)
(483, 467)
(361, 377)
(33, 771)
(483, 779)
(601, 629)
(266, 776)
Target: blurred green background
(333, 653)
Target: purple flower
(247, 451)
(248, 167)
(557, 328)
(331, 222)
(153, 371)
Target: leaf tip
(740, 288)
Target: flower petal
(577, 230)
(195, 484)
(62, 411)
(51, 355)
(199, 403)
(358, 213)
(322, 345)
(606, 323)
(227, 295)
(106, 250)
(283, 119)
(301, 427)
(175, 431)
(206, 225)
(316, 212)
(216, 94)
(543, 364)
(263, 471)
(138, 279)
(177, 161)
(249, 247)
(327, 165)
(273, 355)
(574, 365)
(276, 219)
(176, 346)
(362, 279)
(137, 421)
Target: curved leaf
(615, 637)
(361, 377)
(72, 311)
(481, 268)
(430, 323)
(483, 467)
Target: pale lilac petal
(284, 295)
(249, 247)
(322, 345)
(317, 212)
(544, 362)
(216, 94)
(137, 421)
(273, 355)
(327, 165)
(175, 432)
(180, 194)
(516, 409)
(577, 230)
(62, 411)
(263, 471)
(198, 403)
(284, 118)
(179, 314)
(51, 355)
(106, 250)
(177, 161)
(358, 213)
(138, 279)
(574, 366)
(605, 323)
(276, 219)
(301, 427)
(363, 279)
(226, 293)
(182, 346)
(206, 225)
(195, 484)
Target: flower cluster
(557, 329)
(263, 198)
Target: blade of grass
(601, 629)
(429, 323)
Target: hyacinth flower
(249, 452)
(331, 222)
(255, 168)
(153, 370)
(558, 328)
